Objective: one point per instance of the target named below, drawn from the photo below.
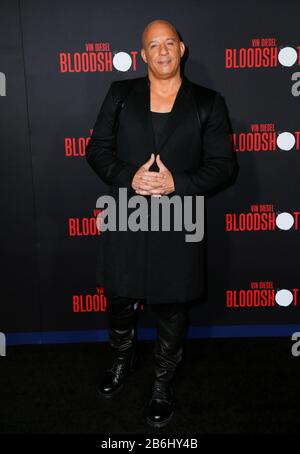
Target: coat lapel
(181, 105)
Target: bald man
(159, 112)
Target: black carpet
(223, 386)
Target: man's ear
(182, 48)
(143, 54)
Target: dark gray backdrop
(42, 188)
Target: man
(162, 146)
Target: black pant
(171, 324)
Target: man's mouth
(164, 62)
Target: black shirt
(159, 120)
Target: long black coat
(159, 266)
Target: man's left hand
(168, 183)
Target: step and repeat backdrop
(58, 59)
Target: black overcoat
(158, 265)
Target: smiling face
(162, 49)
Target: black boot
(122, 341)
(171, 330)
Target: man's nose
(163, 49)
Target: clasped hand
(159, 183)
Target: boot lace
(161, 393)
(118, 367)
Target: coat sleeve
(101, 153)
(218, 164)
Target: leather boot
(168, 350)
(122, 313)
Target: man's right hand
(156, 181)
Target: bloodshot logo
(261, 218)
(263, 137)
(97, 57)
(265, 53)
(261, 295)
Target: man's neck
(165, 86)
